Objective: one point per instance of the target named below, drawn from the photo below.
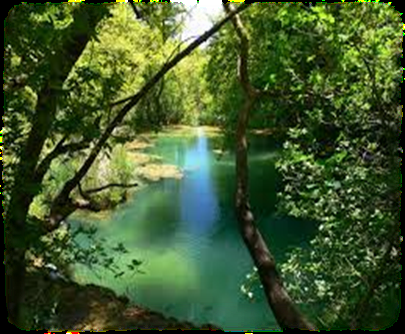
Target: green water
(186, 234)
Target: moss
(139, 144)
(142, 158)
(189, 131)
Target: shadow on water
(185, 230)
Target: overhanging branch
(191, 47)
(72, 183)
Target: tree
(286, 313)
(338, 119)
(56, 66)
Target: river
(185, 232)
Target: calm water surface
(186, 234)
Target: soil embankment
(90, 307)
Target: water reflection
(199, 202)
(186, 231)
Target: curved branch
(96, 206)
(83, 193)
(63, 210)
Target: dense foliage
(335, 72)
(331, 75)
(65, 109)
(112, 67)
(343, 169)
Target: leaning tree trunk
(284, 309)
(26, 186)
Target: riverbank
(164, 226)
(70, 306)
(147, 168)
(73, 306)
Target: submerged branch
(118, 185)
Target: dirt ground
(90, 307)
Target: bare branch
(81, 192)
(116, 103)
(191, 47)
(62, 210)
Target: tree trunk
(284, 309)
(26, 186)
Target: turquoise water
(185, 232)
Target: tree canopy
(332, 73)
(82, 80)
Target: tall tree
(57, 66)
(337, 69)
(286, 313)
